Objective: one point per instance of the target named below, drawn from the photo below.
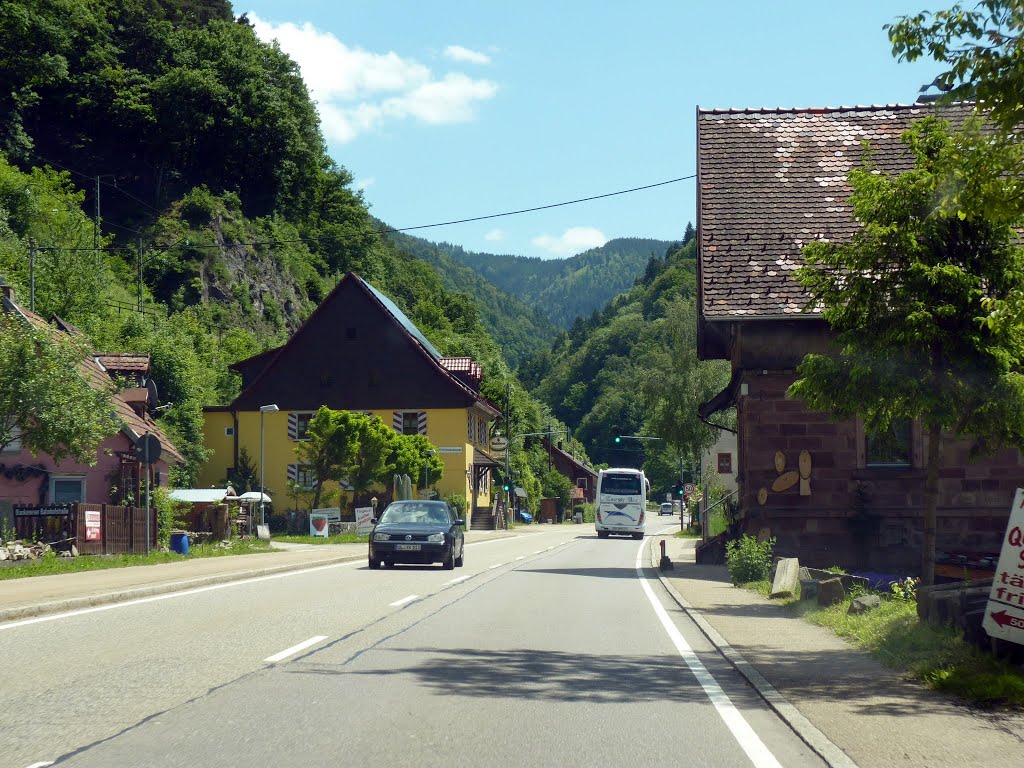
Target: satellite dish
(154, 396)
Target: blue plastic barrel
(179, 543)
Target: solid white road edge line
(295, 648)
(749, 741)
(403, 601)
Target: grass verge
(936, 656)
(348, 537)
(52, 565)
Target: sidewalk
(38, 595)
(830, 691)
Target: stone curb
(819, 743)
(125, 595)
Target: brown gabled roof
(124, 362)
(770, 181)
(133, 425)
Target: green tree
(45, 400)
(330, 447)
(373, 462)
(905, 296)
(416, 456)
(556, 485)
(982, 45)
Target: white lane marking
(296, 648)
(521, 557)
(173, 595)
(496, 565)
(538, 551)
(41, 765)
(745, 736)
(403, 601)
(460, 578)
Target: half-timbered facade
(357, 352)
(770, 182)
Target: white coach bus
(621, 502)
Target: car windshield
(423, 514)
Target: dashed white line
(460, 578)
(41, 765)
(496, 565)
(403, 601)
(521, 557)
(295, 649)
(538, 551)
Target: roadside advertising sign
(1004, 614)
(92, 525)
(364, 520)
(318, 524)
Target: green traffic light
(680, 491)
(618, 438)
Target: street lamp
(263, 409)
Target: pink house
(117, 475)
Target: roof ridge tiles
(816, 110)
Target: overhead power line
(539, 207)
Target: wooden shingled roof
(772, 181)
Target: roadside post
(148, 452)
(1004, 612)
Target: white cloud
(458, 53)
(495, 234)
(358, 91)
(366, 183)
(574, 240)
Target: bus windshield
(621, 485)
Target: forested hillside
(223, 221)
(564, 289)
(632, 369)
(519, 328)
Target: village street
(547, 648)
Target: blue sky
(446, 110)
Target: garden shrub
(749, 559)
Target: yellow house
(357, 352)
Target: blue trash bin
(179, 543)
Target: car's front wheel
(374, 563)
(461, 559)
(449, 561)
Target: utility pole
(139, 245)
(32, 274)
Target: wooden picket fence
(95, 529)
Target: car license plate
(408, 547)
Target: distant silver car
(665, 508)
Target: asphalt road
(550, 649)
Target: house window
(298, 424)
(14, 446)
(581, 482)
(891, 448)
(470, 427)
(229, 431)
(410, 423)
(725, 463)
(67, 490)
(302, 475)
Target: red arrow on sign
(1002, 618)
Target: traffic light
(618, 439)
(679, 490)
(506, 487)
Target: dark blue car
(420, 532)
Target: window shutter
(396, 421)
(293, 431)
(421, 422)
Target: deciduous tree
(906, 299)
